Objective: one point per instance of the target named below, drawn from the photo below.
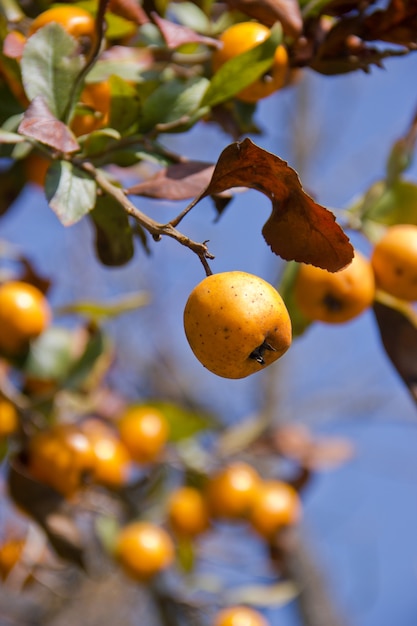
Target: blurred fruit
(10, 554)
(276, 504)
(231, 490)
(335, 297)
(9, 420)
(394, 261)
(236, 324)
(239, 616)
(61, 457)
(24, 314)
(242, 37)
(76, 21)
(35, 167)
(112, 462)
(97, 97)
(144, 431)
(144, 549)
(188, 512)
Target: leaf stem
(156, 229)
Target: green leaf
(50, 66)
(286, 288)
(114, 238)
(190, 15)
(71, 193)
(394, 204)
(83, 368)
(174, 101)
(185, 554)
(103, 310)
(7, 137)
(125, 104)
(50, 355)
(275, 595)
(184, 423)
(107, 528)
(242, 70)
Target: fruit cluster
(339, 297)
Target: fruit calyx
(258, 353)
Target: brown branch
(156, 229)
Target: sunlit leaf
(71, 193)
(274, 595)
(242, 70)
(50, 66)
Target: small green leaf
(275, 595)
(107, 529)
(125, 104)
(242, 70)
(286, 288)
(7, 137)
(50, 66)
(71, 193)
(114, 237)
(174, 101)
(190, 15)
(110, 309)
(82, 369)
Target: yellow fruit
(394, 261)
(335, 297)
(236, 324)
(144, 549)
(188, 512)
(9, 420)
(231, 490)
(239, 616)
(144, 431)
(275, 505)
(61, 457)
(242, 37)
(76, 21)
(24, 314)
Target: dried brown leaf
(180, 181)
(270, 11)
(129, 9)
(176, 35)
(398, 332)
(298, 228)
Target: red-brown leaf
(130, 10)
(176, 35)
(298, 228)
(176, 182)
(39, 123)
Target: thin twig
(156, 229)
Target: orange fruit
(24, 314)
(9, 419)
(112, 462)
(96, 96)
(242, 37)
(144, 549)
(231, 490)
(335, 297)
(236, 324)
(188, 512)
(144, 431)
(61, 457)
(394, 261)
(239, 616)
(275, 505)
(76, 21)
